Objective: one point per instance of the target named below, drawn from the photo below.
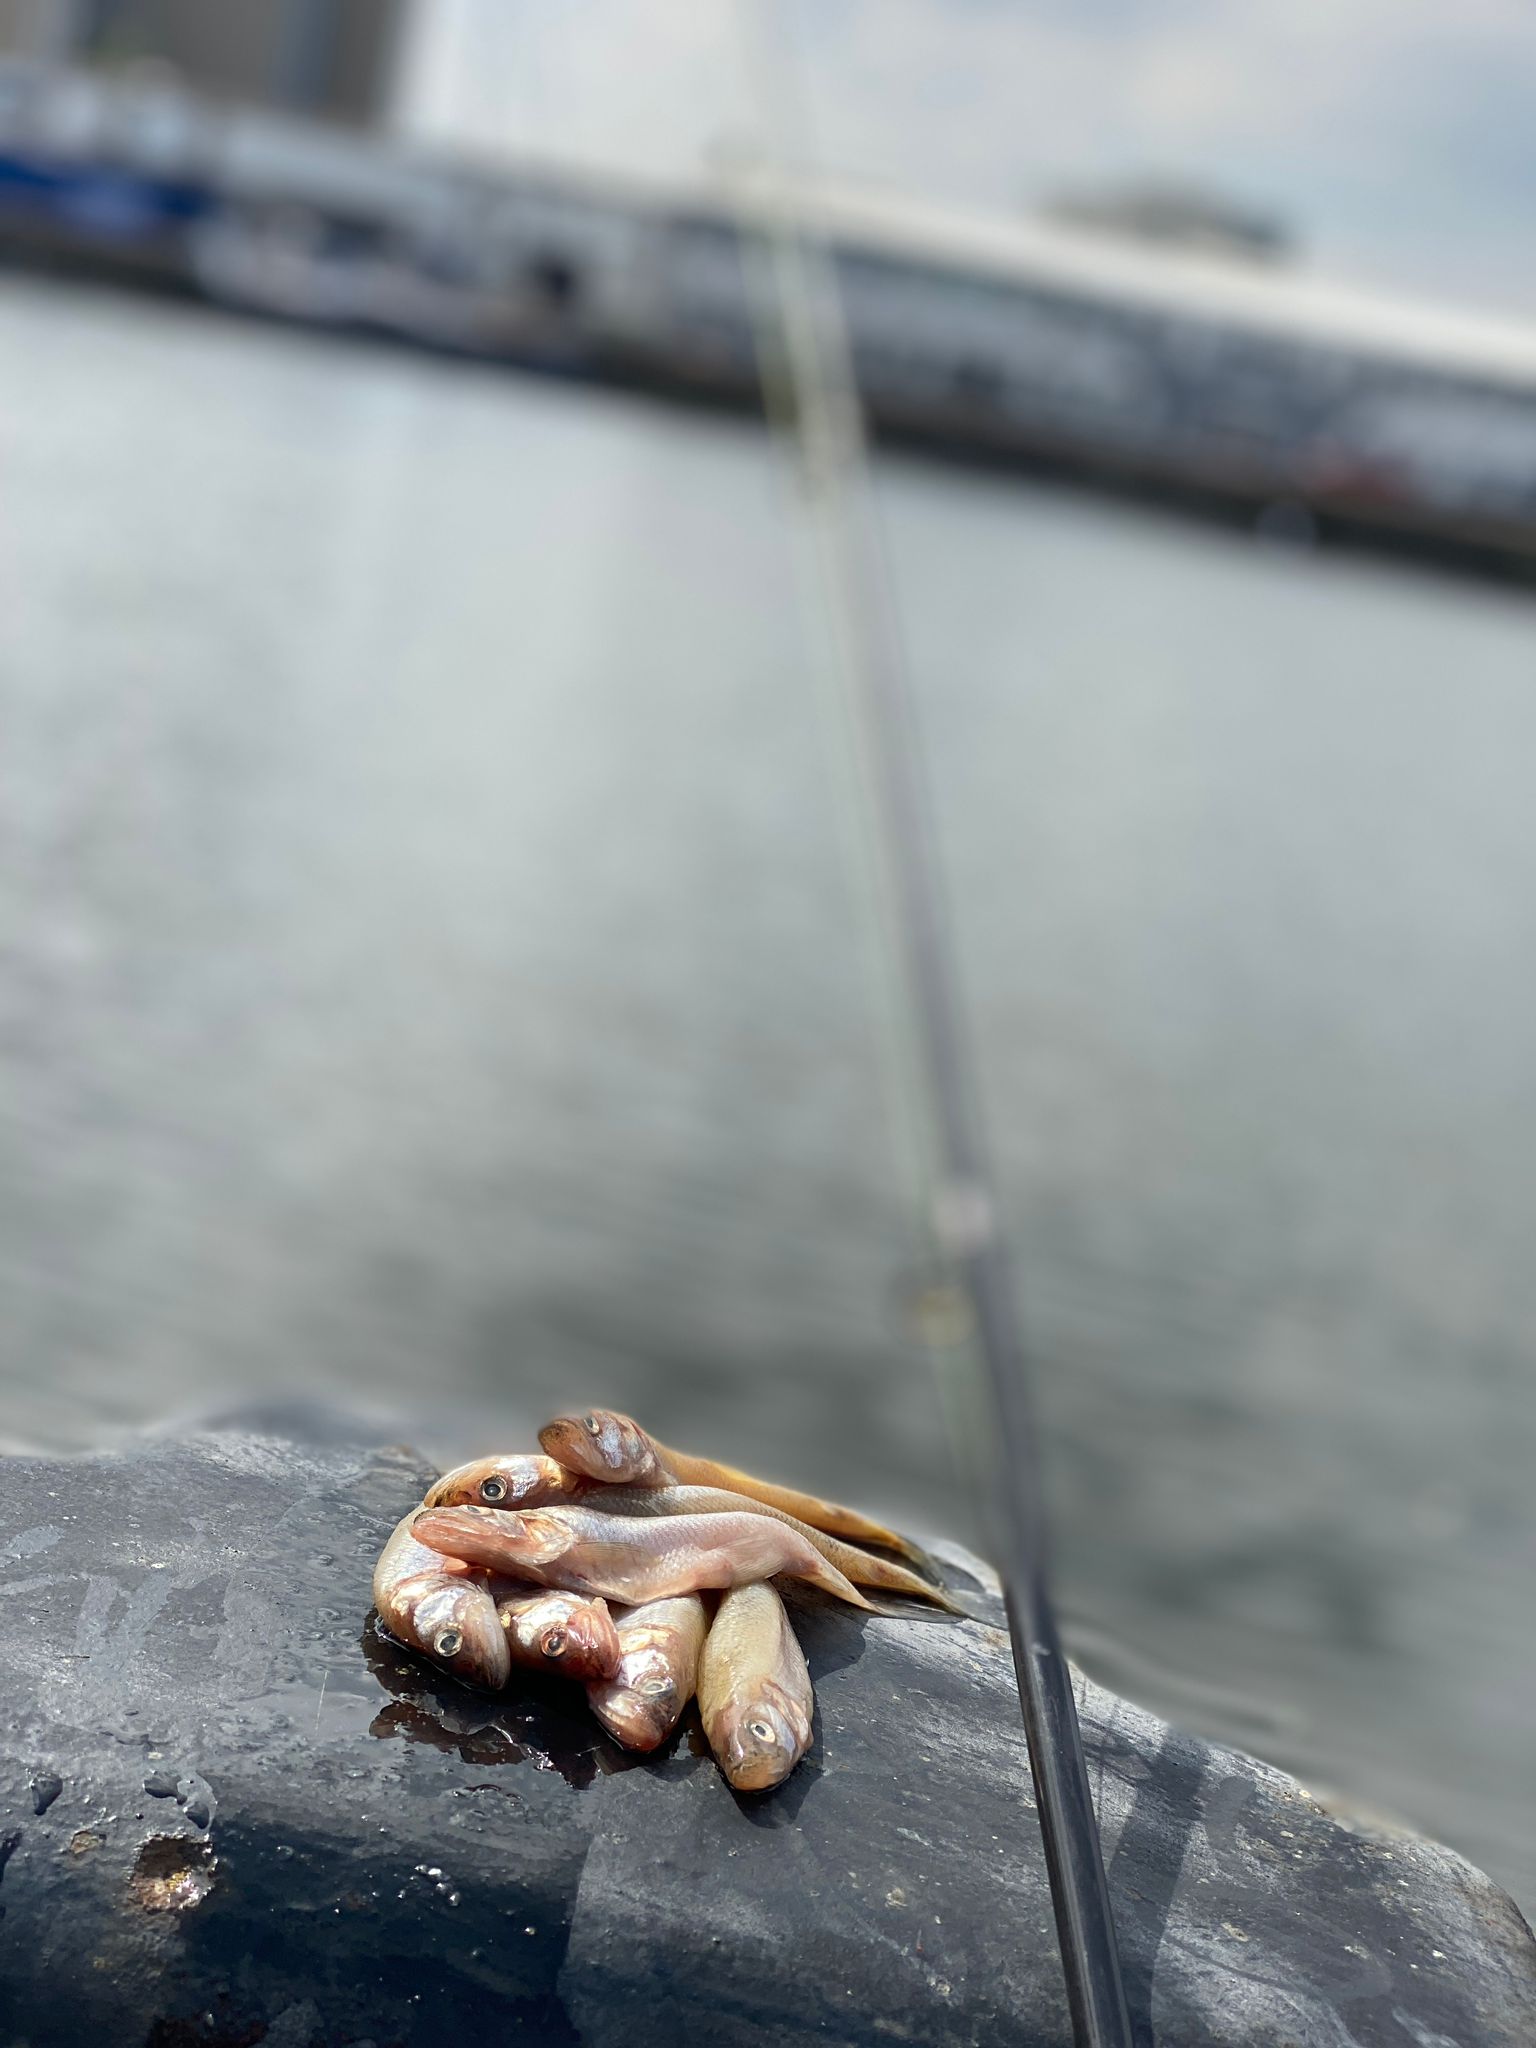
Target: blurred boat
(1248, 391)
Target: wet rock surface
(231, 1812)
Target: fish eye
(653, 1688)
(493, 1489)
(554, 1642)
(449, 1643)
(762, 1730)
(592, 1425)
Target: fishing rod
(809, 381)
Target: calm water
(432, 973)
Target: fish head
(763, 1738)
(641, 1708)
(493, 1538)
(601, 1444)
(507, 1481)
(582, 1642)
(457, 1626)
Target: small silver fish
(602, 1444)
(442, 1608)
(558, 1633)
(630, 1559)
(658, 1669)
(755, 1690)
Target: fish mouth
(451, 1490)
(586, 1645)
(485, 1660)
(504, 1482)
(641, 1713)
(497, 1539)
(758, 1768)
(763, 1747)
(577, 1449)
(601, 1444)
(462, 1631)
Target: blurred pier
(1238, 388)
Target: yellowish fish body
(859, 1566)
(660, 1644)
(604, 1445)
(442, 1608)
(755, 1690)
(633, 1559)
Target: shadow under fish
(537, 1721)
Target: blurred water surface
(432, 973)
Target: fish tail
(895, 1578)
(831, 1580)
(850, 1564)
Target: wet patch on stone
(172, 1873)
(543, 1722)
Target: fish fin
(884, 1575)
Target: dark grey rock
(265, 1822)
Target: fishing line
(808, 371)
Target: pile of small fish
(511, 1563)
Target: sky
(1396, 138)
